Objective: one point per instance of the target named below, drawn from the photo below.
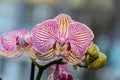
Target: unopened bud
(99, 62)
(93, 51)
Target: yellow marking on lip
(63, 49)
(57, 50)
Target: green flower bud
(99, 62)
(93, 51)
(92, 54)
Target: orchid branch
(43, 67)
(32, 71)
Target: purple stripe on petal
(80, 38)
(44, 35)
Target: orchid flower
(15, 43)
(62, 37)
(60, 72)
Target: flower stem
(32, 71)
(0, 78)
(34, 61)
(59, 61)
(40, 72)
(81, 66)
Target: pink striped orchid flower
(60, 72)
(62, 37)
(16, 42)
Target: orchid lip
(61, 48)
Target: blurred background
(102, 16)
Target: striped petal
(64, 21)
(50, 55)
(44, 35)
(80, 38)
(72, 59)
(9, 40)
(63, 68)
(13, 54)
(31, 52)
(61, 76)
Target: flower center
(23, 41)
(61, 47)
(62, 42)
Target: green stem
(40, 72)
(59, 61)
(32, 71)
(34, 61)
(81, 66)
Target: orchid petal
(64, 21)
(9, 40)
(63, 68)
(31, 52)
(13, 54)
(50, 55)
(60, 72)
(80, 38)
(72, 59)
(62, 76)
(21, 31)
(44, 35)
